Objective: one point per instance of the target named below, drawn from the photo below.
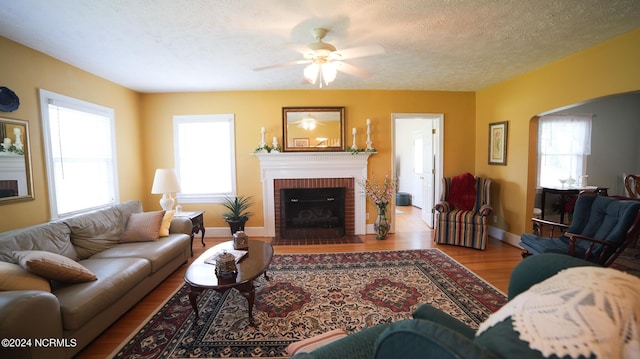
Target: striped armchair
(464, 211)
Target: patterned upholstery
(467, 228)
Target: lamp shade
(165, 181)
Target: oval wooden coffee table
(201, 275)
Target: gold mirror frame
(313, 129)
(15, 162)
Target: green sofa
(434, 334)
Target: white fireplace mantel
(292, 165)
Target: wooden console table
(197, 221)
(565, 193)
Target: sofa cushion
(159, 252)
(358, 345)
(128, 207)
(419, 338)
(116, 277)
(503, 340)
(606, 219)
(315, 342)
(14, 277)
(53, 266)
(143, 227)
(51, 237)
(96, 231)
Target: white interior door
(428, 162)
(419, 166)
(417, 175)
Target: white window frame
(215, 197)
(47, 97)
(574, 147)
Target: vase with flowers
(380, 195)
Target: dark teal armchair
(602, 227)
(434, 334)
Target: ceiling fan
(325, 60)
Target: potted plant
(237, 212)
(380, 195)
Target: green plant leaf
(237, 207)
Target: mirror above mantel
(313, 129)
(15, 161)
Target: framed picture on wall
(498, 143)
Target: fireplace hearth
(310, 213)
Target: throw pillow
(166, 223)
(53, 266)
(14, 277)
(462, 192)
(310, 344)
(143, 227)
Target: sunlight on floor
(410, 220)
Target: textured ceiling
(211, 45)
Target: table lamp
(165, 182)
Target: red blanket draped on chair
(462, 194)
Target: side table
(197, 221)
(564, 193)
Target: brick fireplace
(343, 217)
(314, 170)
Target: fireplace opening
(309, 213)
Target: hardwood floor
(494, 265)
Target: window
(564, 142)
(80, 155)
(204, 157)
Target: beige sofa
(41, 317)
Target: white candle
(353, 131)
(275, 140)
(368, 122)
(262, 130)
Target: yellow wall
(144, 126)
(609, 68)
(144, 123)
(255, 109)
(24, 71)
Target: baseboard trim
(221, 232)
(505, 236)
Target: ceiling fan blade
(359, 51)
(352, 70)
(290, 63)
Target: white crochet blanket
(579, 311)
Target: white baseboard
(221, 232)
(504, 236)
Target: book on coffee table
(237, 254)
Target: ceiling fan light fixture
(323, 73)
(311, 72)
(329, 72)
(308, 123)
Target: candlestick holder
(369, 142)
(276, 146)
(262, 143)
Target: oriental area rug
(307, 295)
